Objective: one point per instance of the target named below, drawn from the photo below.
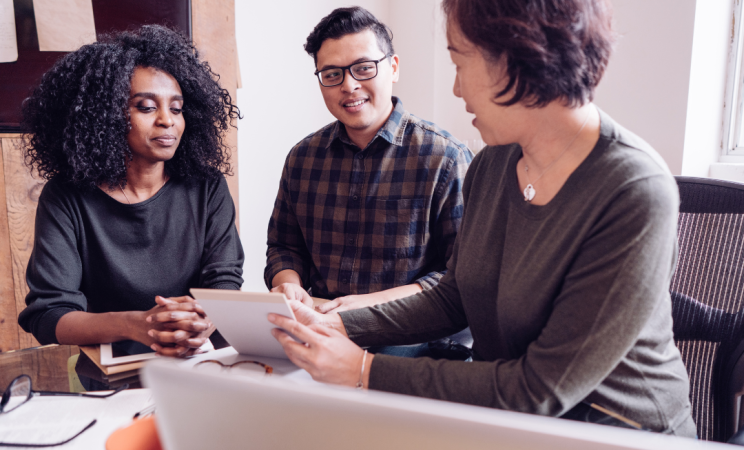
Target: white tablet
(242, 319)
(125, 352)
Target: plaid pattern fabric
(353, 221)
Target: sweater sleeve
(619, 279)
(54, 271)
(222, 258)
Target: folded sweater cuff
(45, 328)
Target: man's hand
(294, 292)
(179, 327)
(309, 317)
(352, 302)
(366, 300)
(328, 355)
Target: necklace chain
(165, 179)
(529, 191)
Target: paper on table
(8, 44)
(64, 25)
(55, 419)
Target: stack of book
(114, 375)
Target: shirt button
(351, 241)
(356, 197)
(345, 280)
(360, 156)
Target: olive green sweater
(566, 302)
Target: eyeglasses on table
(20, 391)
(252, 369)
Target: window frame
(733, 126)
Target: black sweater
(93, 253)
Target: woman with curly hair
(128, 132)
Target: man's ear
(395, 64)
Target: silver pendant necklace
(529, 191)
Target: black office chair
(707, 297)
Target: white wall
(646, 85)
(281, 101)
(412, 22)
(427, 73)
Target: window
(733, 130)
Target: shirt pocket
(401, 226)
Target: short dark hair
(343, 21)
(554, 49)
(75, 122)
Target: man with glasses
(368, 206)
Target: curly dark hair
(75, 122)
(554, 49)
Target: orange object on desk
(142, 434)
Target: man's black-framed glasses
(364, 70)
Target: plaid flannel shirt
(353, 221)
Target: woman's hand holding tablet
(328, 354)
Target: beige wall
(646, 85)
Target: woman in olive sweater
(562, 265)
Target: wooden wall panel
(47, 367)
(213, 32)
(9, 329)
(22, 196)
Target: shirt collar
(392, 131)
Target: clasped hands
(177, 326)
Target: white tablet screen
(242, 319)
